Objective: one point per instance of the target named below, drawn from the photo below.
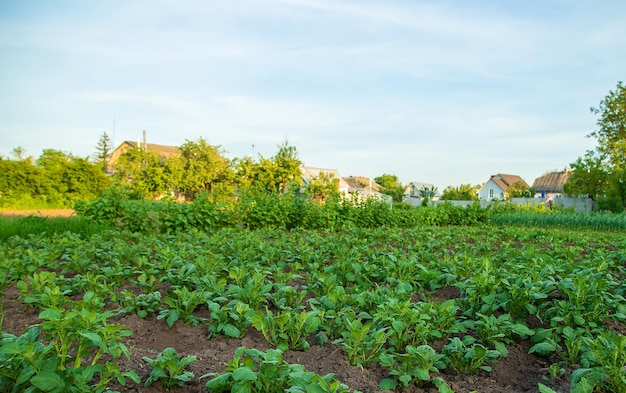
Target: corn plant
(169, 369)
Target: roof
(361, 182)
(413, 188)
(160, 150)
(309, 173)
(553, 181)
(505, 181)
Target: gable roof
(551, 182)
(414, 187)
(361, 183)
(505, 181)
(160, 150)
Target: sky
(440, 92)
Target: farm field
(452, 309)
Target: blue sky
(442, 92)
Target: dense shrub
(256, 209)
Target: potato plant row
(416, 301)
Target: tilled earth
(517, 373)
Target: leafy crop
(384, 296)
(169, 368)
(254, 371)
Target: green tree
(276, 174)
(517, 190)
(21, 182)
(141, 171)
(70, 178)
(323, 187)
(589, 175)
(104, 149)
(611, 137)
(427, 193)
(391, 186)
(201, 167)
(464, 192)
(287, 167)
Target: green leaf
(48, 381)
(313, 388)
(388, 384)
(500, 347)
(93, 337)
(544, 389)
(244, 374)
(10, 348)
(26, 373)
(219, 382)
(231, 331)
(172, 317)
(543, 348)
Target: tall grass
(562, 219)
(47, 226)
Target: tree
(287, 166)
(611, 137)
(19, 153)
(199, 168)
(588, 176)
(391, 186)
(517, 190)
(601, 174)
(323, 187)
(276, 174)
(464, 192)
(141, 171)
(20, 180)
(104, 149)
(71, 178)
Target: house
(413, 192)
(361, 183)
(496, 187)
(363, 187)
(551, 184)
(162, 151)
(311, 173)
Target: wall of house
(484, 193)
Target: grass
(47, 226)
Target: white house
(496, 187)
(413, 194)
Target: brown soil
(518, 373)
(38, 213)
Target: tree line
(59, 179)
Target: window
(491, 193)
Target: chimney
(145, 145)
(565, 171)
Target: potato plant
(386, 297)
